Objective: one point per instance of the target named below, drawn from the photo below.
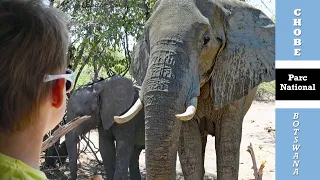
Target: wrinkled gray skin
(102, 101)
(218, 50)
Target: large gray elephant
(199, 60)
(102, 101)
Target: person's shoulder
(11, 168)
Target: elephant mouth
(135, 109)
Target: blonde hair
(33, 42)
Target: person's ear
(58, 91)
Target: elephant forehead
(166, 20)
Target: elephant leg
(204, 144)
(134, 164)
(63, 152)
(227, 142)
(107, 151)
(228, 133)
(190, 149)
(124, 135)
(72, 140)
(51, 155)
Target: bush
(266, 91)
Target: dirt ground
(258, 128)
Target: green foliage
(268, 87)
(101, 32)
(84, 77)
(266, 91)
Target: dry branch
(63, 130)
(88, 141)
(257, 174)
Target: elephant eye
(206, 39)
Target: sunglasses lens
(68, 85)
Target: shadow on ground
(87, 170)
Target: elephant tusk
(133, 111)
(191, 110)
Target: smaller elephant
(103, 100)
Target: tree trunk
(95, 68)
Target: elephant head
(101, 100)
(186, 44)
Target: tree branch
(88, 141)
(61, 131)
(257, 174)
(267, 7)
(126, 41)
(147, 10)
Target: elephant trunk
(165, 94)
(162, 131)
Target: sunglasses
(69, 76)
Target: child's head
(33, 43)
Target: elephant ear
(115, 99)
(248, 57)
(139, 62)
